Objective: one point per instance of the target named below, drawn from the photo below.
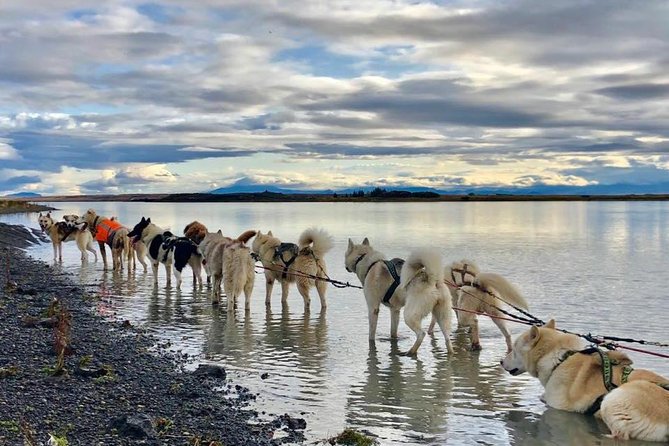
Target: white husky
(379, 285)
(459, 273)
(423, 279)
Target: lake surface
(599, 267)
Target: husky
(62, 231)
(280, 260)
(212, 248)
(422, 277)
(195, 231)
(166, 248)
(457, 274)
(112, 233)
(575, 379)
(380, 281)
(238, 273)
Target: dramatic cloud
(127, 96)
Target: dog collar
(357, 261)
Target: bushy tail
(508, 292)
(428, 260)
(320, 241)
(246, 236)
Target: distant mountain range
(245, 186)
(23, 195)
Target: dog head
(45, 221)
(195, 231)
(528, 349)
(261, 240)
(71, 220)
(354, 253)
(137, 232)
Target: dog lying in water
(634, 403)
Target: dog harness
(463, 272)
(607, 373)
(105, 230)
(394, 266)
(279, 253)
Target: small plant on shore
(351, 437)
(162, 425)
(200, 441)
(10, 426)
(85, 360)
(9, 371)
(28, 434)
(109, 377)
(55, 440)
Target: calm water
(598, 267)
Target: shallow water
(596, 267)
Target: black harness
(462, 272)
(607, 373)
(394, 267)
(67, 229)
(286, 248)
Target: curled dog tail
(508, 292)
(320, 241)
(246, 236)
(427, 261)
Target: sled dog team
(634, 403)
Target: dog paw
(476, 347)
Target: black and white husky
(166, 248)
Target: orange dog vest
(105, 228)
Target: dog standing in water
(166, 248)
(66, 231)
(110, 232)
(281, 259)
(380, 280)
(423, 279)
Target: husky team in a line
(634, 403)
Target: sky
(172, 96)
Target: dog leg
(441, 313)
(216, 291)
(269, 285)
(60, 252)
(177, 275)
(476, 341)
(154, 269)
(373, 315)
(103, 253)
(413, 321)
(430, 329)
(285, 287)
(91, 248)
(394, 323)
(303, 288)
(321, 288)
(507, 336)
(168, 272)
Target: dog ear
(219, 232)
(350, 243)
(40, 214)
(48, 214)
(365, 241)
(148, 220)
(534, 333)
(270, 234)
(550, 324)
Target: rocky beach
(68, 376)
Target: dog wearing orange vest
(110, 232)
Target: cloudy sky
(125, 96)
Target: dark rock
(134, 426)
(264, 375)
(214, 371)
(48, 322)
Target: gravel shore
(110, 385)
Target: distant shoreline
(265, 197)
